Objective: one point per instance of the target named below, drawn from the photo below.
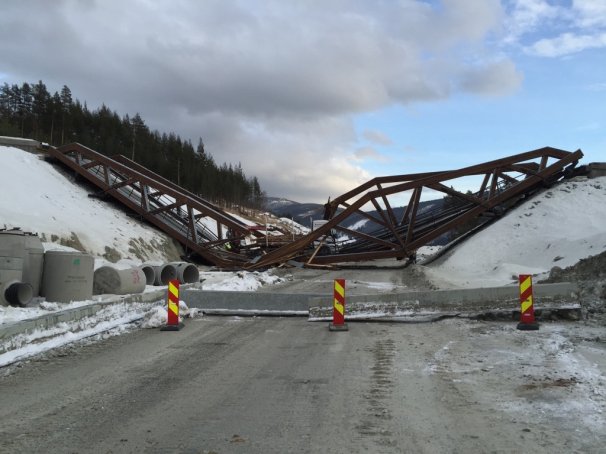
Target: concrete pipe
(10, 273)
(12, 243)
(186, 272)
(150, 274)
(33, 262)
(164, 274)
(67, 276)
(18, 293)
(108, 279)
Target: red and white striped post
(527, 321)
(172, 322)
(338, 307)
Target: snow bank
(37, 198)
(557, 227)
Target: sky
(316, 97)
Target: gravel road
(280, 385)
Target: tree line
(31, 111)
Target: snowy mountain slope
(38, 198)
(557, 227)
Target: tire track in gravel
(377, 398)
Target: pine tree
(41, 101)
(66, 103)
(138, 127)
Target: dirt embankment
(590, 275)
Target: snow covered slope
(37, 198)
(557, 227)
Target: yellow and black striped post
(172, 322)
(527, 321)
(338, 308)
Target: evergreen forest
(31, 111)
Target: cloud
(271, 84)
(593, 126)
(590, 13)
(377, 137)
(548, 29)
(369, 153)
(499, 78)
(527, 15)
(566, 44)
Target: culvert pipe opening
(165, 274)
(150, 274)
(186, 272)
(18, 293)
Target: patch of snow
(380, 286)
(358, 225)
(114, 317)
(241, 281)
(10, 314)
(425, 252)
(294, 226)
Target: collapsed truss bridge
(500, 184)
(391, 232)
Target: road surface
(285, 385)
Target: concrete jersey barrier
(456, 300)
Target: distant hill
(305, 213)
(302, 213)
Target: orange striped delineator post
(172, 324)
(527, 321)
(338, 307)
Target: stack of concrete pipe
(27, 272)
(109, 279)
(21, 258)
(61, 276)
(184, 272)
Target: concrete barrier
(448, 301)
(560, 295)
(247, 301)
(47, 321)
